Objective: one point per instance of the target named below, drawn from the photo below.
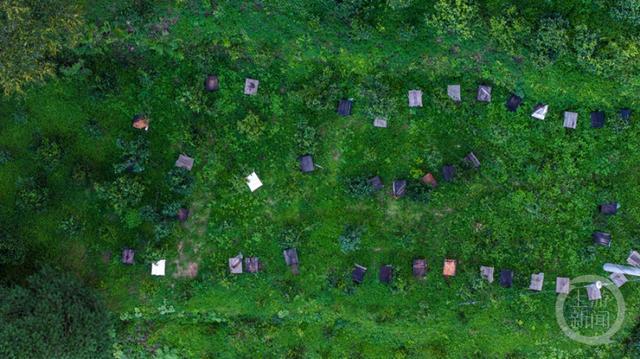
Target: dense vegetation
(78, 183)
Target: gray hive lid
(618, 279)
(570, 119)
(484, 93)
(183, 214)
(290, 256)
(634, 259)
(536, 281)
(601, 238)
(376, 183)
(593, 292)
(211, 83)
(597, 119)
(357, 275)
(386, 274)
(185, 162)
(252, 264)
(486, 273)
(251, 86)
(540, 111)
(415, 98)
(513, 103)
(506, 278)
(419, 268)
(563, 285)
(453, 91)
(127, 256)
(448, 172)
(399, 188)
(472, 160)
(625, 114)
(306, 164)
(608, 208)
(344, 107)
(235, 264)
(380, 122)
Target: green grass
(531, 207)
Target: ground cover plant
(78, 184)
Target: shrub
(627, 11)
(35, 32)
(180, 181)
(418, 191)
(32, 196)
(49, 154)
(124, 193)
(305, 137)
(251, 126)
(551, 41)
(358, 187)
(509, 30)
(12, 249)
(350, 239)
(135, 155)
(54, 316)
(453, 17)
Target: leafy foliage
(53, 316)
(34, 33)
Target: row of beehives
(239, 264)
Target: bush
(627, 11)
(180, 181)
(251, 126)
(12, 249)
(455, 17)
(358, 187)
(509, 30)
(305, 137)
(32, 196)
(551, 42)
(49, 154)
(54, 316)
(350, 239)
(123, 194)
(135, 155)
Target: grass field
(530, 207)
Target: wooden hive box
(563, 285)
(185, 162)
(597, 119)
(251, 86)
(601, 238)
(399, 188)
(357, 275)
(386, 274)
(211, 83)
(419, 268)
(608, 208)
(453, 91)
(540, 111)
(506, 278)
(537, 280)
(570, 120)
(513, 103)
(484, 93)
(449, 268)
(306, 164)
(415, 98)
(344, 107)
(376, 183)
(486, 273)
